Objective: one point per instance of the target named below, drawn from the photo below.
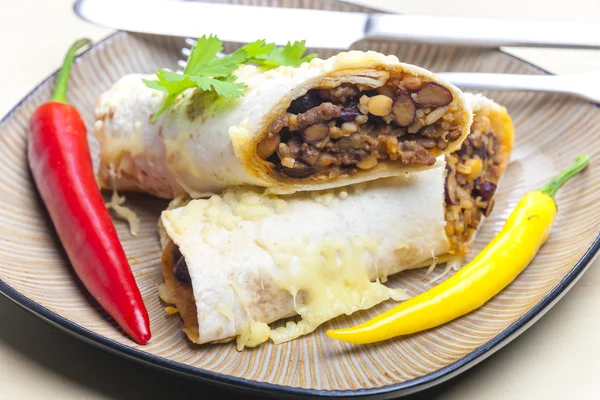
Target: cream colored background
(558, 358)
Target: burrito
(354, 117)
(235, 263)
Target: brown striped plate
(551, 131)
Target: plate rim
(210, 377)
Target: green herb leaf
(290, 55)
(256, 48)
(170, 83)
(222, 67)
(225, 88)
(204, 51)
(208, 72)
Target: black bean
(181, 272)
(300, 170)
(348, 114)
(487, 190)
(304, 103)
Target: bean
(412, 83)
(433, 94)
(404, 110)
(349, 114)
(315, 133)
(267, 146)
(368, 162)
(487, 189)
(451, 186)
(380, 105)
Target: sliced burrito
(354, 117)
(237, 262)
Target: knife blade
(328, 29)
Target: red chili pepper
(61, 165)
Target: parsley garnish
(208, 72)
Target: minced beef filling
(341, 130)
(472, 175)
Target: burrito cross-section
(355, 117)
(237, 262)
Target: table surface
(559, 357)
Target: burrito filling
(337, 131)
(472, 175)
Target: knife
(328, 29)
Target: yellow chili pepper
(497, 265)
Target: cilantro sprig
(208, 72)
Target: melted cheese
(328, 197)
(252, 335)
(252, 204)
(303, 254)
(116, 203)
(326, 280)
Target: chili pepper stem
(60, 92)
(556, 183)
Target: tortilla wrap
(253, 258)
(204, 144)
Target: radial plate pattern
(551, 131)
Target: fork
(585, 85)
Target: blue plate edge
(385, 392)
